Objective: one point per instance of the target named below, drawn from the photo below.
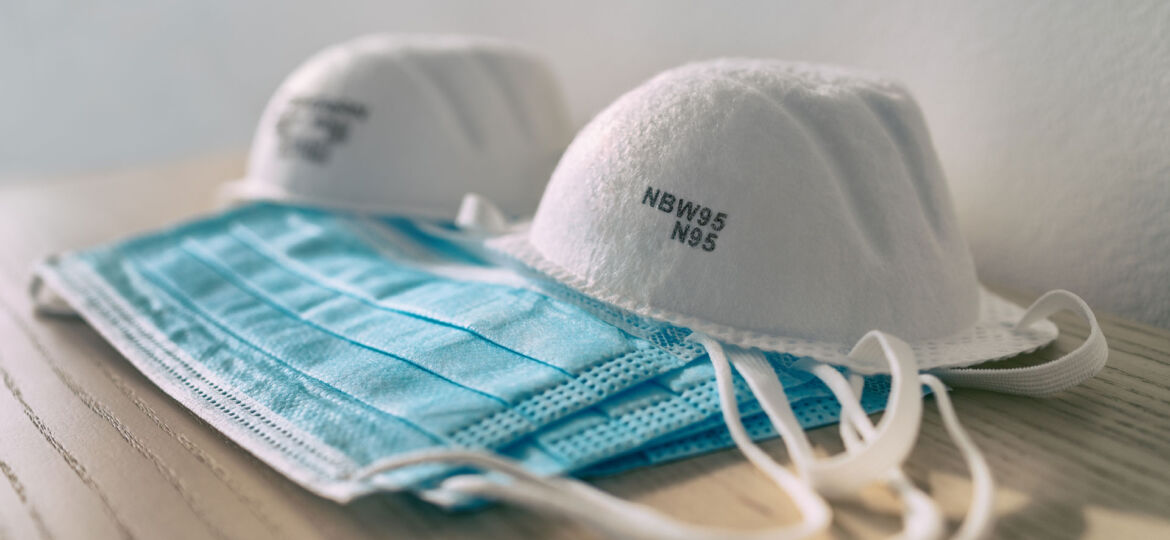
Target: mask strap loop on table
(980, 514)
(1051, 377)
(843, 474)
(509, 481)
(921, 517)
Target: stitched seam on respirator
(121, 333)
(931, 353)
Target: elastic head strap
(1051, 377)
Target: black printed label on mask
(695, 225)
(311, 126)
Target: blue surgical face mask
(290, 331)
(324, 342)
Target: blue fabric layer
(323, 341)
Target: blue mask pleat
(309, 330)
(317, 408)
(531, 324)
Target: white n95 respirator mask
(406, 125)
(769, 206)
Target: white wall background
(1052, 118)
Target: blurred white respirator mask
(406, 125)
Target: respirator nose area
(762, 197)
(408, 125)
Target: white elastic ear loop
(480, 214)
(230, 194)
(980, 517)
(980, 514)
(816, 512)
(574, 499)
(921, 517)
(844, 474)
(477, 220)
(1050, 377)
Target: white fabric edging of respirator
(406, 124)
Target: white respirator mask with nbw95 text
(777, 207)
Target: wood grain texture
(90, 449)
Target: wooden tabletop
(90, 449)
